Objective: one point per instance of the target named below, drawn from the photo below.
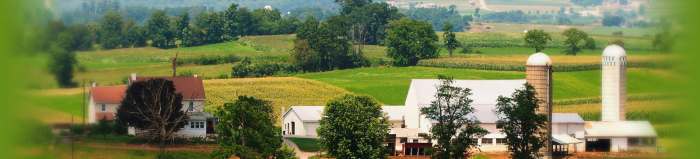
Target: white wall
(310, 129)
(287, 126)
(618, 144)
(188, 131)
(95, 108)
(613, 88)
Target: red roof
(108, 94)
(191, 88)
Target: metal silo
(539, 75)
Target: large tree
(537, 39)
(62, 64)
(409, 41)
(450, 41)
(325, 46)
(159, 30)
(354, 127)
(212, 27)
(110, 33)
(231, 26)
(576, 40)
(247, 130)
(154, 107)
(522, 125)
(455, 129)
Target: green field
(390, 84)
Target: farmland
(281, 91)
(390, 84)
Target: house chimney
(195, 75)
(133, 77)
(93, 85)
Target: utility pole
(174, 61)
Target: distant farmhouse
(105, 100)
(569, 133)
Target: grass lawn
(390, 84)
(307, 144)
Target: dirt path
(300, 154)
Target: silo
(539, 75)
(614, 83)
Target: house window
(486, 141)
(641, 141)
(196, 124)
(499, 126)
(404, 140)
(415, 140)
(293, 128)
(501, 141)
(191, 107)
(103, 108)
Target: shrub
(246, 68)
(209, 60)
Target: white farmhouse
(105, 100)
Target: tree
(522, 125)
(110, 34)
(231, 26)
(181, 24)
(212, 27)
(454, 129)
(354, 127)
(247, 129)
(537, 39)
(664, 40)
(74, 38)
(325, 46)
(613, 20)
(134, 35)
(61, 65)
(409, 41)
(348, 6)
(247, 24)
(576, 40)
(154, 107)
(159, 31)
(450, 40)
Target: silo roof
(614, 51)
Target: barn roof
(484, 92)
(619, 129)
(191, 88)
(108, 94)
(314, 113)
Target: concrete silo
(614, 78)
(539, 75)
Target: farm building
(568, 131)
(613, 133)
(105, 100)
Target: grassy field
(390, 84)
(282, 91)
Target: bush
(246, 68)
(209, 60)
